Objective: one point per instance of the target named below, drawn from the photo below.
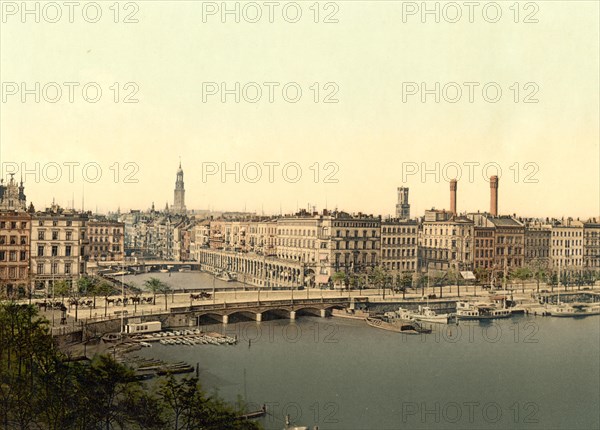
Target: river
(523, 372)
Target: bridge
(256, 310)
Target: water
(524, 372)
(181, 280)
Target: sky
(336, 113)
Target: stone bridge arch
(205, 318)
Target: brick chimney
(494, 195)
(453, 196)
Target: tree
(339, 278)
(154, 285)
(539, 271)
(404, 281)
(165, 289)
(188, 407)
(41, 389)
(104, 289)
(377, 277)
(62, 288)
(521, 274)
(85, 285)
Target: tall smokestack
(494, 195)
(453, 196)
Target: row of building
(321, 244)
(39, 247)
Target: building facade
(446, 242)
(15, 243)
(537, 244)
(105, 240)
(591, 245)
(58, 242)
(566, 246)
(399, 245)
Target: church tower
(12, 195)
(403, 207)
(179, 198)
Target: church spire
(179, 193)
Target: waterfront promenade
(76, 316)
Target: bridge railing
(262, 303)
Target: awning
(322, 279)
(467, 275)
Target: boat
(399, 325)
(185, 268)
(164, 270)
(426, 314)
(470, 311)
(574, 310)
(355, 314)
(145, 344)
(112, 337)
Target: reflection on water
(526, 373)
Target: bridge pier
(292, 315)
(323, 313)
(258, 316)
(225, 319)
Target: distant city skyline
(474, 201)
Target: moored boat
(574, 310)
(355, 314)
(424, 314)
(397, 325)
(470, 311)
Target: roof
(505, 222)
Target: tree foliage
(41, 389)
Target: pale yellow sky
(368, 134)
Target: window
(69, 223)
(23, 224)
(40, 268)
(40, 250)
(12, 256)
(41, 235)
(69, 235)
(54, 250)
(2, 224)
(54, 268)
(23, 240)
(67, 268)
(23, 256)
(13, 240)
(2, 240)
(68, 250)
(55, 235)
(2, 255)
